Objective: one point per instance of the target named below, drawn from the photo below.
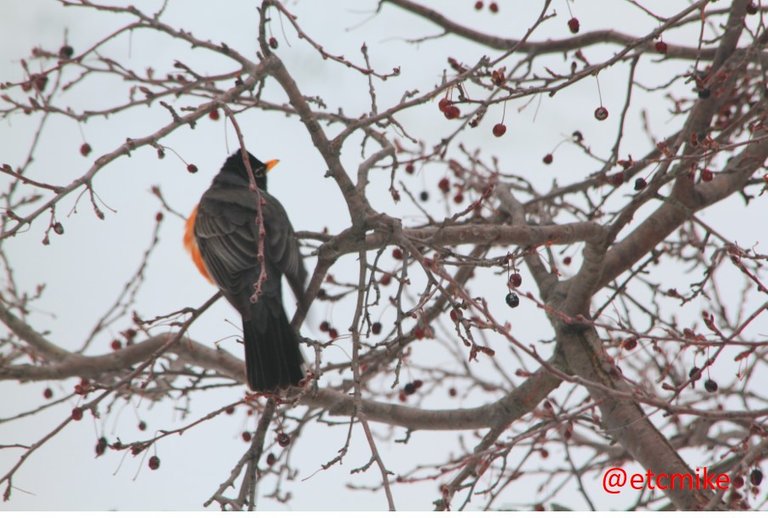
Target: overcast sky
(86, 267)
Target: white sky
(86, 267)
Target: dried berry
(191, 168)
(499, 129)
(755, 477)
(574, 25)
(661, 47)
(48, 393)
(77, 413)
(66, 52)
(376, 328)
(515, 280)
(283, 439)
(154, 462)
(246, 436)
(640, 184)
(547, 158)
(601, 113)
(101, 446)
(85, 149)
(710, 385)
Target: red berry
(325, 326)
(515, 280)
(85, 149)
(192, 168)
(454, 315)
(444, 185)
(385, 279)
(418, 332)
(629, 343)
(661, 47)
(640, 184)
(566, 260)
(499, 129)
(458, 198)
(376, 328)
(213, 114)
(48, 393)
(452, 392)
(397, 254)
(116, 345)
(548, 158)
(283, 439)
(271, 459)
(333, 333)
(402, 397)
(494, 7)
(443, 104)
(230, 410)
(417, 384)
(694, 374)
(452, 112)
(273, 42)
(246, 436)
(142, 426)
(154, 462)
(616, 179)
(77, 413)
(159, 217)
(573, 25)
(478, 5)
(601, 113)
(707, 175)
(738, 482)
(409, 169)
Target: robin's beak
(271, 164)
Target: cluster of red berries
(83, 387)
(325, 327)
(409, 389)
(449, 109)
(493, 6)
(445, 187)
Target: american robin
(222, 235)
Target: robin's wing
(227, 235)
(282, 247)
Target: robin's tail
(272, 355)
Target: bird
(222, 236)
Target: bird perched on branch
(245, 252)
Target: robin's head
(235, 164)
